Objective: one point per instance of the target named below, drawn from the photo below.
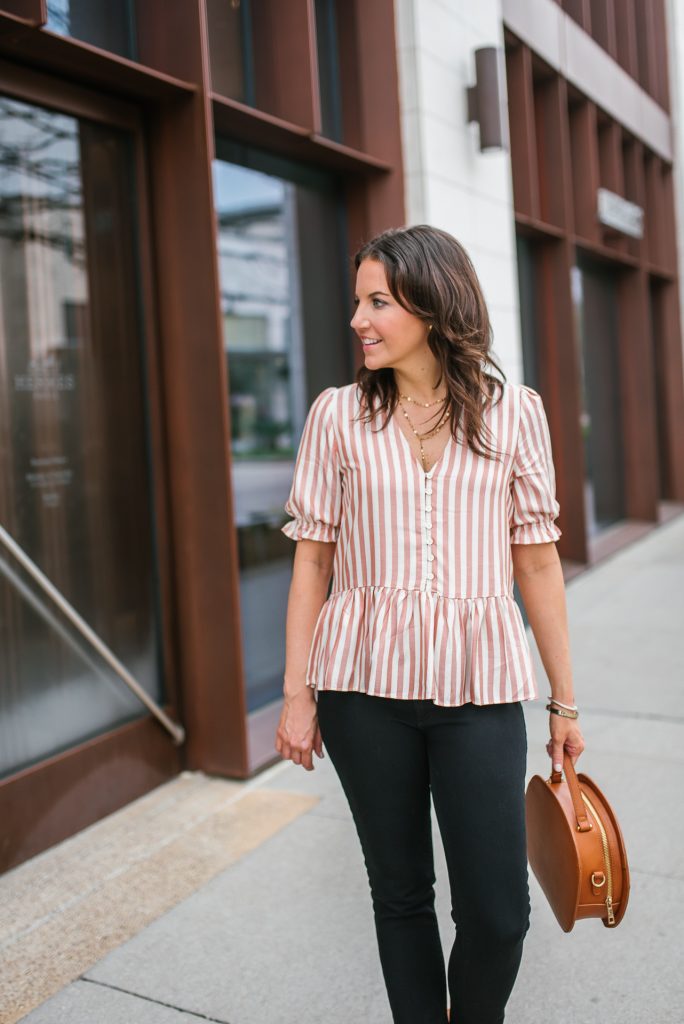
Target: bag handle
(583, 823)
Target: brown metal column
(196, 394)
(522, 131)
(558, 360)
(375, 204)
(637, 392)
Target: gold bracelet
(568, 707)
(561, 712)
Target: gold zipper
(606, 857)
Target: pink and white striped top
(422, 604)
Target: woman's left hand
(565, 735)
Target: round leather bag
(575, 848)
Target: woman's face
(399, 336)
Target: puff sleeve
(315, 499)
(533, 505)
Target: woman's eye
(378, 301)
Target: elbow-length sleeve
(533, 484)
(315, 498)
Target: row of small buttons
(428, 522)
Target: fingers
(554, 749)
(298, 734)
(557, 756)
(298, 753)
(284, 751)
(559, 745)
(302, 755)
(307, 760)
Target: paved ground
(264, 937)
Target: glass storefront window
(109, 24)
(283, 281)
(74, 467)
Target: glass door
(74, 460)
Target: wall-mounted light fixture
(486, 99)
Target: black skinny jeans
(389, 755)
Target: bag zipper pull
(609, 905)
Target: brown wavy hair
(430, 274)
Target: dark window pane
(109, 24)
(74, 468)
(328, 70)
(527, 285)
(283, 282)
(594, 290)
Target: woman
(425, 487)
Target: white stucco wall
(449, 182)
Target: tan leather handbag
(575, 848)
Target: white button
(430, 540)
(431, 558)
(430, 576)
(428, 490)
(428, 508)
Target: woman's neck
(421, 386)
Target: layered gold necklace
(428, 433)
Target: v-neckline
(414, 460)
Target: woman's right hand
(298, 733)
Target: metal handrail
(177, 731)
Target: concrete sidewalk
(284, 931)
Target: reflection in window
(109, 24)
(258, 295)
(282, 269)
(73, 466)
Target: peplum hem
(418, 644)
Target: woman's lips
(370, 342)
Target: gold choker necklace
(425, 405)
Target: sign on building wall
(616, 212)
